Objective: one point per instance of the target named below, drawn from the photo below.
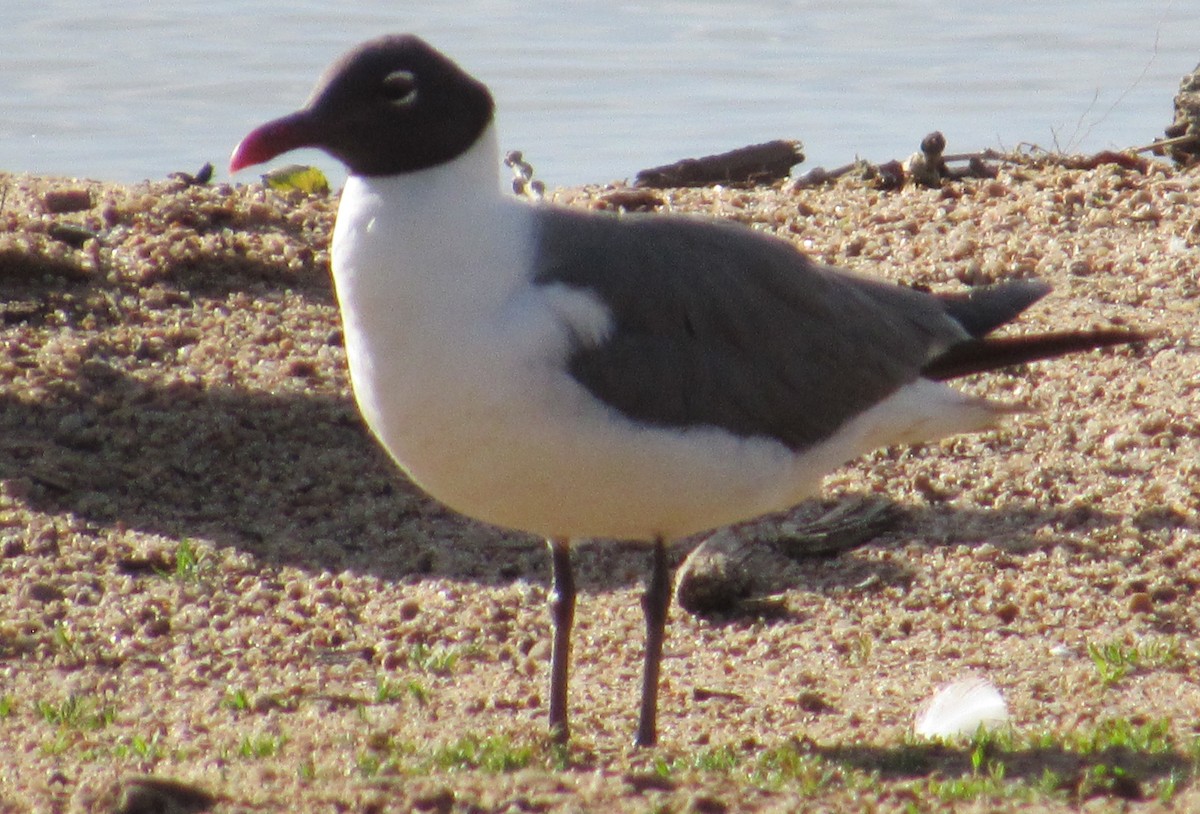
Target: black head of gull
(582, 375)
(393, 105)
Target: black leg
(562, 613)
(655, 602)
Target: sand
(209, 573)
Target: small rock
(1007, 612)
(60, 201)
(441, 801)
(1141, 603)
(1187, 121)
(650, 781)
(156, 795)
(44, 592)
(813, 702)
(73, 236)
(706, 804)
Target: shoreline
(202, 546)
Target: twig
(755, 164)
(1155, 146)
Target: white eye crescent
(399, 88)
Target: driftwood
(756, 164)
(739, 568)
(930, 167)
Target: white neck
(402, 242)
(417, 257)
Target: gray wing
(715, 324)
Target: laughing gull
(580, 374)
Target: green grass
(385, 755)
(980, 784)
(76, 712)
(372, 764)
(63, 640)
(241, 701)
(258, 747)
(387, 691)
(717, 759)
(238, 701)
(438, 660)
(1118, 759)
(139, 747)
(788, 766)
(189, 562)
(7, 705)
(1116, 660)
(491, 754)
(1152, 737)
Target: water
(594, 91)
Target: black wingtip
(989, 354)
(982, 310)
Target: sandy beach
(210, 574)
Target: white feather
(960, 708)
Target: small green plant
(781, 767)
(369, 764)
(388, 691)
(437, 660)
(721, 759)
(187, 561)
(1050, 782)
(662, 767)
(860, 648)
(63, 639)
(495, 754)
(7, 704)
(64, 741)
(779, 762)
(970, 787)
(238, 701)
(786, 765)
(74, 712)
(1170, 786)
(140, 747)
(1152, 737)
(261, 746)
(560, 757)
(986, 743)
(717, 759)
(1115, 660)
(1109, 780)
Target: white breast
(458, 366)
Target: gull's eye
(399, 88)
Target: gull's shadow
(295, 479)
(1075, 774)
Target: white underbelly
(544, 456)
(524, 446)
(458, 366)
